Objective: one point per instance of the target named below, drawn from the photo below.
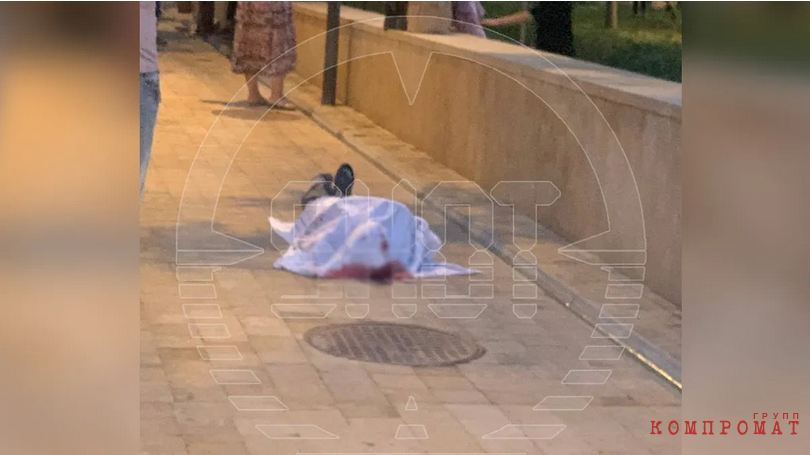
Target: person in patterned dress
(264, 45)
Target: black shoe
(344, 179)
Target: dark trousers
(393, 9)
(554, 31)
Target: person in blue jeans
(149, 84)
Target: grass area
(650, 45)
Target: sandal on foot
(260, 103)
(282, 105)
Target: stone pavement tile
(245, 423)
(175, 316)
(616, 399)
(278, 350)
(329, 419)
(507, 352)
(508, 446)
(154, 386)
(159, 290)
(445, 433)
(446, 382)
(300, 387)
(353, 385)
(523, 397)
(231, 279)
(601, 428)
(661, 445)
(388, 370)
(294, 376)
(644, 390)
(212, 432)
(482, 419)
(308, 397)
(156, 416)
(469, 396)
(399, 398)
(216, 448)
(569, 442)
(211, 394)
(377, 435)
(444, 372)
(258, 444)
(163, 445)
(399, 381)
(478, 419)
(616, 444)
(266, 388)
(260, 326)
(488, 334)
(345, 445)
(148, 354)
(525, 414)
(228, 355)
(251, 306)
(182, 365)
(298, 327)
(172, 336)
(367, 409)
(235, 332)
(503, 377)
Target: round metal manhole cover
(394, 344)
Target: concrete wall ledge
(657, 95)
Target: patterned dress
(264, 39)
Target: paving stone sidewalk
(211, 338)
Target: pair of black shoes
(327, 186)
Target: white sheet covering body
(361, 237)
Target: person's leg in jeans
(322, 186)
(150, 98)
